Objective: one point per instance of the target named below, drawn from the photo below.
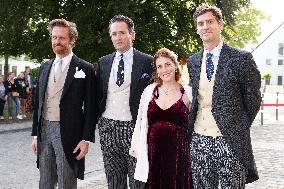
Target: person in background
(3, 97)
(121, 79)
(226, 99)
(22, 84)
(160, 139)
(30, 88)
(13, 95)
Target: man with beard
(64, 111)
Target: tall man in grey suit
(226, 99)
(121, 79)
(64, 113)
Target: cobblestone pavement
(268, 145)
(18, 169)
(18, 164)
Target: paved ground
(268, 145)
(17, 165)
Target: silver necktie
(58, 71)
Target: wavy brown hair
(73, 33)
(166, 53)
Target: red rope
(272, 104)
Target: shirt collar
(216, 51)
(65, 59)
(126, 54)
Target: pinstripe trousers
(53, 165)
(115, 139)
(214, 165)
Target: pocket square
(145, 75)
(79, 73)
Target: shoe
(1, 117)
(10, 117)
(24, 116)
(19, 117)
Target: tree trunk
(6, 66)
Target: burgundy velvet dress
(168, 146)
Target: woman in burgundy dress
(160, 140)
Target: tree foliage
(266, 76)
(158, 23)
(13, 27)
(246, 28)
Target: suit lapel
(137, 68)
(70, 74)
(107, 69)
(197, 69)
(44, 78)
(222, 63)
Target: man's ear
(133, 35)
(73, 40)
(222, 23)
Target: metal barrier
(263, 104)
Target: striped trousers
(53, 166)
(115, 139)
(214, 164)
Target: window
(14, 69)
(281, 49)
(280, 79)
(280, 62)
(268, 61)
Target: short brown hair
(166, 53)
(73, 33)
(125, 19)
(204, 8)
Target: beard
(60, 49)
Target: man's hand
(83, 146)
(34, 146)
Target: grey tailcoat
(235, 102)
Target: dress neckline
(156, 97)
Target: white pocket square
(145, 75)
(79, 73)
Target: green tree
(266, 77)
(14, 15)
(158, 23)
(246, 29)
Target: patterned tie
(58, 70)
(209, 66)
(120, 72)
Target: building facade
(16, 66)
(269, 56)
